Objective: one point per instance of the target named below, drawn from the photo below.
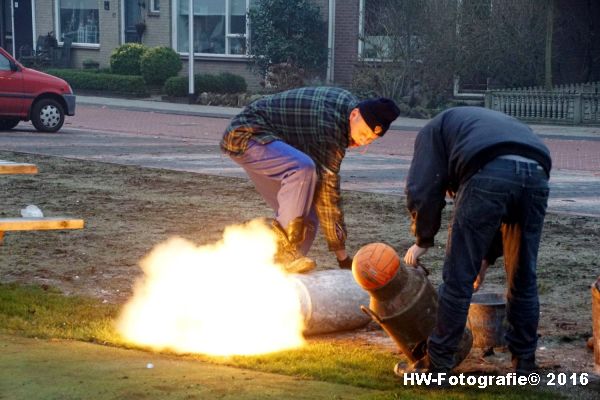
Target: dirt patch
(128, 210)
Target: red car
(27, 94)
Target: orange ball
(374, 265)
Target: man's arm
(426, 184)
(328, 208)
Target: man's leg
(477, 217)
(312, 225)
(286, 178)
(521, 244)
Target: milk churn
(406, 308)
(330, 301)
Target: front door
(6, 25)
(133, 16)
(23, 26)
(11, 88)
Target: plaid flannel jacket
(314, 120)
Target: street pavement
(185, 137)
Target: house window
(374, 40)
(154, 6)
(220, 26)
(78, 19)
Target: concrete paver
(185, 137)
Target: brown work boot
(422, 365)
(288, 255)
(524, 365)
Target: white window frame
(58, 29)
(361, 35)
(174, 43)
(153, 8)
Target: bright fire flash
(222, 299)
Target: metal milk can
(406, 309)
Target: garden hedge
(225, 83)
(86, 80)
(125, 59)
(157, 64)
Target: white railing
(564, 104)
(590, 87)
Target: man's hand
(412, 255)
(344, 261)
(481, 277)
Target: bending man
(291, 145)
(498, 170)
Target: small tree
(287, 32)
(408, 49)
(389, 45)
(414, 48)
(503, 40)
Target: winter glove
(346, 263)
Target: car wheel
(8, 123)
(47, 115)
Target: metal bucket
(596, 324)
(330, 301)
(487, 319)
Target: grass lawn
(83, 277)
(45, 313)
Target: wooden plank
(39, 224)
(9, 167)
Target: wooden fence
(564, 104)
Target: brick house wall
(346, 41)
(159, 32)
(346, 26)
(109, 24)
(44, 17)
(158, 25)
(575, 54)
(240, 66)
(205, 65)
(109, 27)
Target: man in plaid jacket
(291, 145)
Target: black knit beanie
(379, 112)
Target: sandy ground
(128, 210)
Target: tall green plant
(288, 31)
(158, 64)
(125, 59)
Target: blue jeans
(511, 196)
(286, 178)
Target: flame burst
(222, 299)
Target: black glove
(346, 263)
